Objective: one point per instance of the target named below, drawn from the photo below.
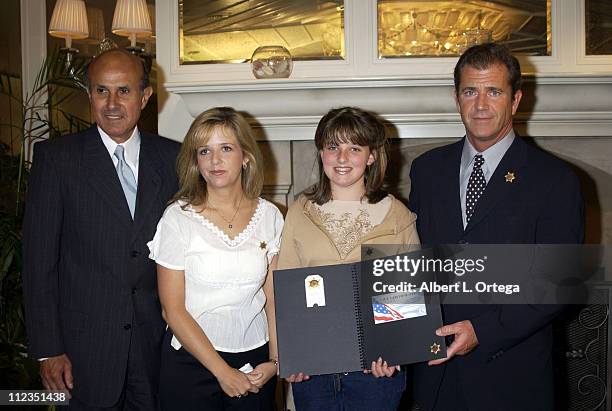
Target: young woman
(215, 247)
(345, 209)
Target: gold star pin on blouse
(313, 283)
(510, 177)
(263, 245)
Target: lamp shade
(69, 20)
(132, 19)
(151, 8)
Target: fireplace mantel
(416, 108)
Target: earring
(244, 166)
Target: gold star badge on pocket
(510, 177)
(263, 245)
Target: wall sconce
(69, 21)
(131, 19)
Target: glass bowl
(271, 62)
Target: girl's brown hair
(355, 126)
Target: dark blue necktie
(475, 188)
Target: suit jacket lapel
(498, 188)
(447, 186)
(149, 180)
(101, 174)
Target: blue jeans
(354, 391)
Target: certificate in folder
(329, 319)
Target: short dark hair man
(92, 312)
(492, 188)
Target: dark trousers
(139, 392)
(450, 394)
(186, 385)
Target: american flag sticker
(398, 306)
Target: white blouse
(223, 277)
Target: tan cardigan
(306, 243)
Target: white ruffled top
(223, 277)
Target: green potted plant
(42, 116)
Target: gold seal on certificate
(315, 291)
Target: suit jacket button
(497, 355)
(135, 254)
(134, 290)
(127, 326)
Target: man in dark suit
(92, 311)
(492, 188)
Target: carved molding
(290, 110)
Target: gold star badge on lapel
(510, 177)
(263, 245)
(435, 348)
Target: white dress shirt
(131, 149)
(492, 157)
(223, 277)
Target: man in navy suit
(492, 188)
(93, 315)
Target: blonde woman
(215, 248)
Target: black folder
(342, 335)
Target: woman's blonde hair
(192, 186)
